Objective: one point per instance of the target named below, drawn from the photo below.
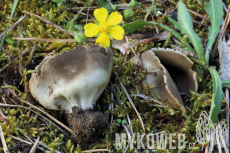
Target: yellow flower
(106, 27)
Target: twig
(31, 55)
(197, 14)
(3, 141)
(52, 40)
(50, 23)
(25, 51)
(130, 100)
(51, 117)
(127, 131)
(76, 16)
(46, 39)
(16, 23)
(45, 146)
(148, 98)
(28, 138)
(7, 105)
(200, 23)
(226, 22)
(96, 150)
(227, 115)
(34, 146)
(16, 138)
(120, 6)
(42, 112)
(133, 51)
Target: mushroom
(167, 86)
(75, 78)
(179, 67)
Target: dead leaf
(224, 51)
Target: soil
(87, 125)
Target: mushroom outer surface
(162, 85)
(180, 68)
(73, 78)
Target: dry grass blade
(16, 138)
(130, 100)
(197, 14)
(34, 146)
(133, 51)
(25, 51)
(50, 23)
(7, 105)
(46, 39)
(16, 23)
(3, 141)
(51, 117)
(96, 150)
(227, 115)
(24, 135)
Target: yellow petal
(91, 29)
(103, 40)
(117, 32)
(114, 18)
(101, 14)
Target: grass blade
(214, 9)
(11, 15)
(185, 20)
(226, 83)
(131, 27)
(176, 24)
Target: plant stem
(76, 16)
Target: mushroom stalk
(72, 82)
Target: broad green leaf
(133, 26)
(185, 20)
(214, 9)
(217, 96)
(226, 83)
(9, 40)
(11, 15)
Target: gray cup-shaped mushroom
(73, 78)
(173, 75)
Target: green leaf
(59, 4)
(214, 9)
(79, 27)
(9, 40)
(185, 20)
(11, 15)
(57, 1)
(123, 121)
(133, 26)
(226, 83)
(118, 120)
(96, 22)
(175, 23)
(79, 37)
(217, 96)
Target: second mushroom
(172, 75)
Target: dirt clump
(87, 125)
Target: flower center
(104, 27)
